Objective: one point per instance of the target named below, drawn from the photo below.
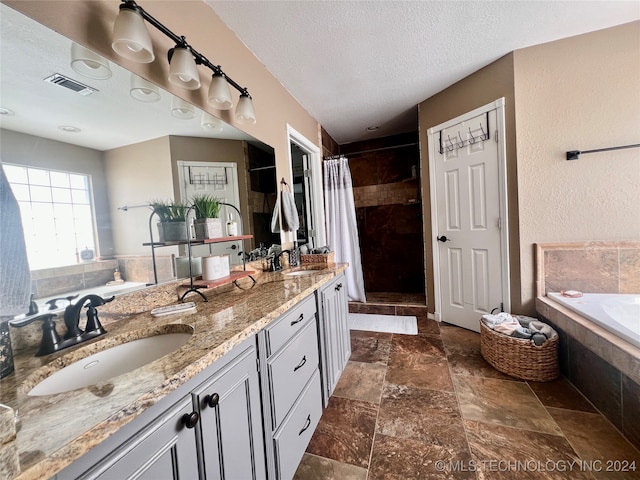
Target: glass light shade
(131, 38)
(183, 71)
(181, 109)
(143, 91)
(211, 123)
(88, 63)
(244, 110)
(219, 95)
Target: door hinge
(312, 232)
(499, 223)
(307, 173)
(496, 136)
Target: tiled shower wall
(386, 189)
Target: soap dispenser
(232, 226)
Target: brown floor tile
(418, 311)
(370, 347)
(501, 402)
(459, 338)
(503, 453)
(345, 432)
(404, 459)
(595, 439)
(318, 468)
(372, 308)
(361, 381)
(422, 372)
(416, 347)
(428, 326)
(430, 416)
(561, 394)
(418, 361)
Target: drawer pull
(338, 287)
(212, 400)
(307, 424)
(300, 318)
(190, 420)
(302, 362)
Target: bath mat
(405, 325)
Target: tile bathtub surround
(477, 416)
(593, 267)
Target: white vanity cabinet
(292, 394)
(213, 431)
(335, 340)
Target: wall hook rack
(575, 154)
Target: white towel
(15, 277)
(290, 220)
(275, 219)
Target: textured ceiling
(354, 64)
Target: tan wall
(482, 87)
(579, 93)
(90, 23)
(136, 175)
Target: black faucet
(51, 341)
(93, 327)
(276, 265)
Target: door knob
(443, 239)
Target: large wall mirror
(90, 148)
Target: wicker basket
(520, 358)
(317, 258)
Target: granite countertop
(55, 430)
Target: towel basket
(518, 357)
(318, 258)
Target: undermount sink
(110, 363)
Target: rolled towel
(522, 332)
(507, 327)
(539, 327)
(492, 320)
(538, 339)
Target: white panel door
(220, 180)
(467, 183)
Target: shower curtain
(342, 229)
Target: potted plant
(207, 222)
(172, 215)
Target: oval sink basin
(110, 363)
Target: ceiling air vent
(66, 82)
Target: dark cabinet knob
(212, 400)
(190, 420)
(338, 287)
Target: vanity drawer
(291, 440)
(279, 332)
(290, 369)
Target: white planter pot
(207, 228)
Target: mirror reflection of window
(57, 214)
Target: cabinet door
(166, 450)
(230, 429)
(337, 344)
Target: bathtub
(617, 313)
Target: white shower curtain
(342, 229)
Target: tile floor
(429, 407)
